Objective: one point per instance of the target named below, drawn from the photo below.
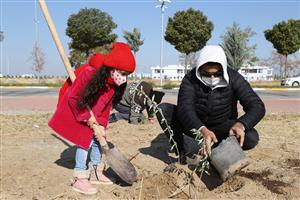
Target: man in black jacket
(207, 101)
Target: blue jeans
(82, 154)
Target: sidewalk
(157, 88)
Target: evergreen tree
(188, 31)
(235, 44)
(285, 37)
(89, 29)
(133, 39)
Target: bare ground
(37, 164)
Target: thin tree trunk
(185, 63)
(285, 66)
(39, 77)
(87, 52)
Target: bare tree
(38, 59)
(277, 61)
(189, 60)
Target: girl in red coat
(99, 87)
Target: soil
(37, 164)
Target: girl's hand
(99, 132)
(92, 120)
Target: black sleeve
(186, 111)
(253, 106)
(141, 100)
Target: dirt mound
(37, 164)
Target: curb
(278, 89)
(159, 88)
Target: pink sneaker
(81, 183)
(97, 176)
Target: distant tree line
(90, 31)
(188, 31)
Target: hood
(213, 53)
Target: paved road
(14, 92)
(19, 99)
(264, 94)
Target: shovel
(115, 159)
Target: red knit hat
(96, 60)
(120, 58)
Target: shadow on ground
(160, 149)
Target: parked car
(291, 81)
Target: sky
(18, 24)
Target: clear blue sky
(17, 22)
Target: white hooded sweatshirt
(213, 53)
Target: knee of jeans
(251, 139)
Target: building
(141, 75)
(256, 73)
(169, 72)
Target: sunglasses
(210, 74)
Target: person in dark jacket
(207, 101)
(132, 104)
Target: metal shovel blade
(121, 165)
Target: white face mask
(211, 82)
(117, 77)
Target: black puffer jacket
(199, 105)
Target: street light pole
(161, 46)
(36, 22)
(162, 7)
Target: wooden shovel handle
(58, 44)
(57, 40)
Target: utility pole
(36, 22)
(162, 7)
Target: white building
(256, 73)
(169, 72)
(140, 75)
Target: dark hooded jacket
(200, 105)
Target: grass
(167, 84)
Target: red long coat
(95, 61)
(70, 122)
